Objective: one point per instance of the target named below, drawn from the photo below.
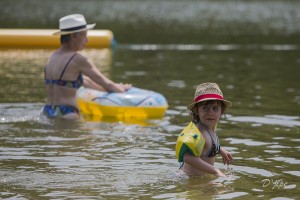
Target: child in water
(206, 112)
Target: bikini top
(215, 149)
(65, 83)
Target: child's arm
(226, 156)
(200, 164)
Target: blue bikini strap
(213, 142)
(62, 73)
(217, 138)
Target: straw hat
(208, 91)
(72, 24)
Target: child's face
(209, 113)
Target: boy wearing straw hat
(67, 70)
(198, 143)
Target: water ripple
(281, 120)
(200, 47)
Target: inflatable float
(190, 139)
(44, 38)
(134, 103)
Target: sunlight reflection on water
(220, 47)
(280, 120)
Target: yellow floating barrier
(44, 38)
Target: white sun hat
(72, 24)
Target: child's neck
(202, 126)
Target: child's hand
(219, 173)
(226, 156)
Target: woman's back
(62, 78)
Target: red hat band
(208, 96)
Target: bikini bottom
(53, 111)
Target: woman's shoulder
(81, 61)
(79, 57)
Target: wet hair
(195, 116)
(65, 38)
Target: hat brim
(88, 27)
(227, 103)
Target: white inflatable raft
(136, 102)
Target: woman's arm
(89, 83)
(200, 164)
(90, 70)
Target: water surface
(253, 54)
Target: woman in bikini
(206, 112)
(67, 70)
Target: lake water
(250, 48)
